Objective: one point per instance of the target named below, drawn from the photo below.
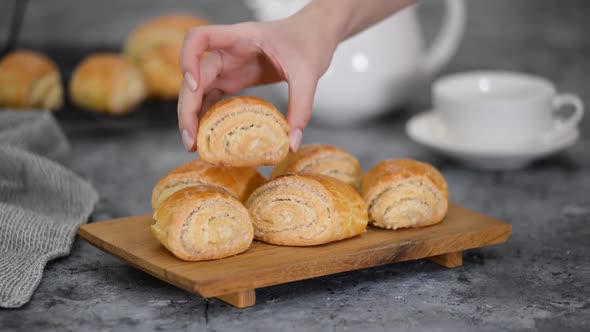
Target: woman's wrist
(320, 19)
(341, 19)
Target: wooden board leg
(241, 299)
(450, 260)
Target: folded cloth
(36, 132)
(42, 203)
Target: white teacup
(499, 108)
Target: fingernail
(295, 139)
(187, 140)
(190, 80)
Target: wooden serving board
(234, 279)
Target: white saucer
(427, 129)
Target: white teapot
(375, 71)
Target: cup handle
(566, 124)
(574, 119)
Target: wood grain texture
(241, 299)
(265, 265)
(450, 260)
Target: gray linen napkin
(41, 202)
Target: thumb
(301, 92)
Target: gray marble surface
(538, 280)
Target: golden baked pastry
(29, 80)
(322, 159)
(106, 82)
(306, 210)
(202, 222)
(243, 131)
(238, 181)
(155, 47)
(405, 193)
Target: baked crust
(243, 131)
(322, 159)
(30, 79)
(306, 210)
(107, 82)
(202, 223)
(238, 181)
(155, 47)
(405, 193)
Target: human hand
(296, 50)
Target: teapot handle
(447, 40)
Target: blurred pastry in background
(322, 159)
(107, 82)
(29, 79)
(155, 46)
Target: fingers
(190, 102)
(188, 122)
(211, 98)
(301, 93)
(196, 42)
(199, 74)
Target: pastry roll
(238, 181)
(107, 83)
(243, 131)
(29, 80)
(306, 210)
(202, 222)
(322, 159)
(405, 193)
(155, 47)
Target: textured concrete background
(539, 280)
